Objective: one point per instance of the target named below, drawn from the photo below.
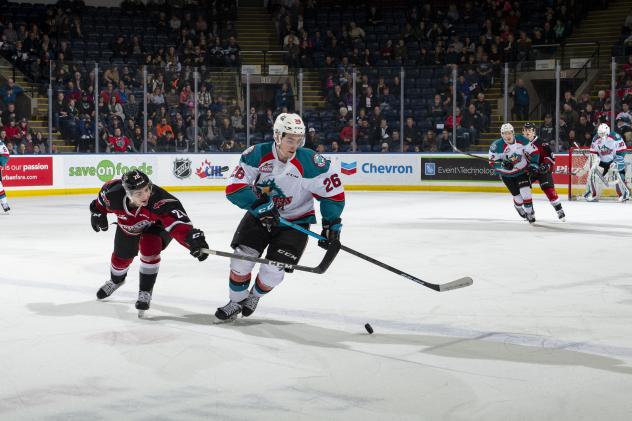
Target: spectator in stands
(226, 131)
(570, 115)
(429, 142)
(114, 109)
(599, 103)
(382, 133)
(547, 129)
(229, 145)
(283, 97)
(267, 122)
(387, 101)
(204, 99)
(356, 33)
(521, 101)
(334, 147)
(85, 133)
(119, 143)
(336, 98)
(346, 137)
(374, 17)
(450, 119)
(584, 131)
(412, 135)
(568, 99)
(384, 147)
(237, 120)
(368, 100)
(181, 143)
(624, 129)
(473, 122)
(312, 140)
(9, 92)
(444, 141)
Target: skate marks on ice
(460, 344)
(501, 225)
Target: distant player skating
(513, 157)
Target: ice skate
(521, 212)
(624, 197)
(6, 208)
(107, 289)
(142, 305)
(230, 311)
(561, 215)
(531, 218)
(249, 305)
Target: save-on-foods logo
(349, 168)
(208, 170)
(106, 170)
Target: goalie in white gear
(273, 180)
(610, 148)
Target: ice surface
(544, 332)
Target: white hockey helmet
(288, 123)
(603, 130)
(506, 128)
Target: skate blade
(218, 321)
(141, 314)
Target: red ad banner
(28, 171)
(561, 170)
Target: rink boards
(78, 173)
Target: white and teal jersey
(293, 185)
(609, 148)
(521, 153)
(4, 154)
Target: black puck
(368, 328)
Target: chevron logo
(349, 168)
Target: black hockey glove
(331, 231)
(507, 164)
(197, 242)
(265, 211)
(98, 220)
(545, 168)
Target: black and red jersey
(162, 209)
(544, 149)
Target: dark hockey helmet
(134, 180)
(529, 126)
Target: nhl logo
(182, 168)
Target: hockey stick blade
(320, 269)
(459, 283)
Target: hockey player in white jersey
(513, 157)
(272, 180)
(610, 148)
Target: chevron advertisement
(376, 168)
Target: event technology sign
(456, 169)
(28, 171)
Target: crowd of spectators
(171, 39)
(476, 37)
(15, 131)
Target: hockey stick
(321, 268)
(455, 149)
(459, 283)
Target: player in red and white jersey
(544, 172)
(4, 158)
(148, 217)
